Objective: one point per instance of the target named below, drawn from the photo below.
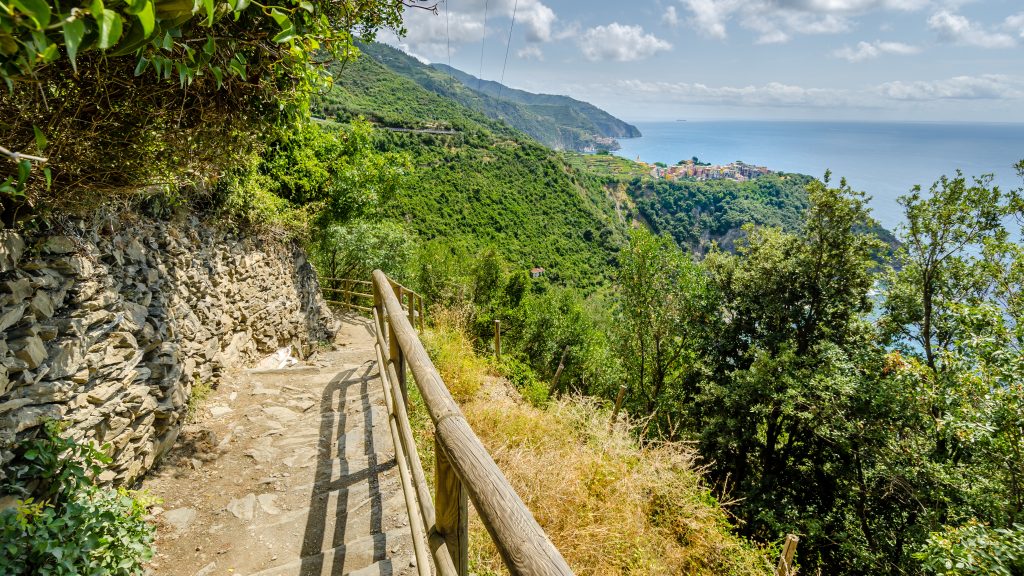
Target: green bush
(975, 549)
(63, 523)
(159, 93)
(525, 380)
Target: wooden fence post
(558, 372)
(452, 510)
(420, 299)
(412, 309)
(785, 567)
(618, 404)
(397, 356)
(497, 340)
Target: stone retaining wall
(109, 325)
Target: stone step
(345, 559)
(394, 566)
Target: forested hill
(556, 121)
(560, 108)
(488, 186)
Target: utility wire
(448, 38)
(508, 45)
(480, 74)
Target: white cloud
(535, 16)
(431, 34)
(428, 34)
(621, 43)
(771, 94)
(670, 17)
(958, 29)
(1015, 24)
(778, 20)
(530, 51)
(869, 50)
(779, 95)
(985, 87)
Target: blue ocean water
(883, 159)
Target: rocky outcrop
(109, 325)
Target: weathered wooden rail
(464, 470)
(358, 295)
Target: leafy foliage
(558, 122)
(64, 524)
(163, 92)
(975, 549)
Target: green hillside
(562, 109)
(560, 124)
(488, 185)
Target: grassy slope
(610, 505)
(489, 185)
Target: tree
(778, 406)
(158, 92)
(664, 301)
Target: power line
(448, 38)
(480, 74)
(508, 45)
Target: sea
(883, 159)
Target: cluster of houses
(738, 171)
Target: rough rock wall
(109, 325)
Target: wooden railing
(464, 470)
(358, 295)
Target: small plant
(525, 380)
(200, 392)
(63, 523)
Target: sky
(646, 60)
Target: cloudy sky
(943, 60)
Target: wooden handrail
(413, 302)
(463, 466)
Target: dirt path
(287, 472)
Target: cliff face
(108, 325)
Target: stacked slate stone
(107, 326)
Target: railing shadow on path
(332, 449)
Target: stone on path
(243, 508)
(180, 518)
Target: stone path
(287, 472)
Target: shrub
(64, 524)
(162, 92)
(525, 380)
(609, 504)
(974, 549)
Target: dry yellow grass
(610, 505)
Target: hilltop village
(696, 170)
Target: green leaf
(208, 6)
(141, 66)
(168, 41)
(40, 138)
(218, 75)
(7, 44)
(24, 168)
(96, 9)
(49, 177)
(51, 53)
(308, 7)
(281, 18)
(148, 18)
(240, 5)
(73, 33)
(208, 47)
(110, 29)
(37, 10)
(285, 35)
